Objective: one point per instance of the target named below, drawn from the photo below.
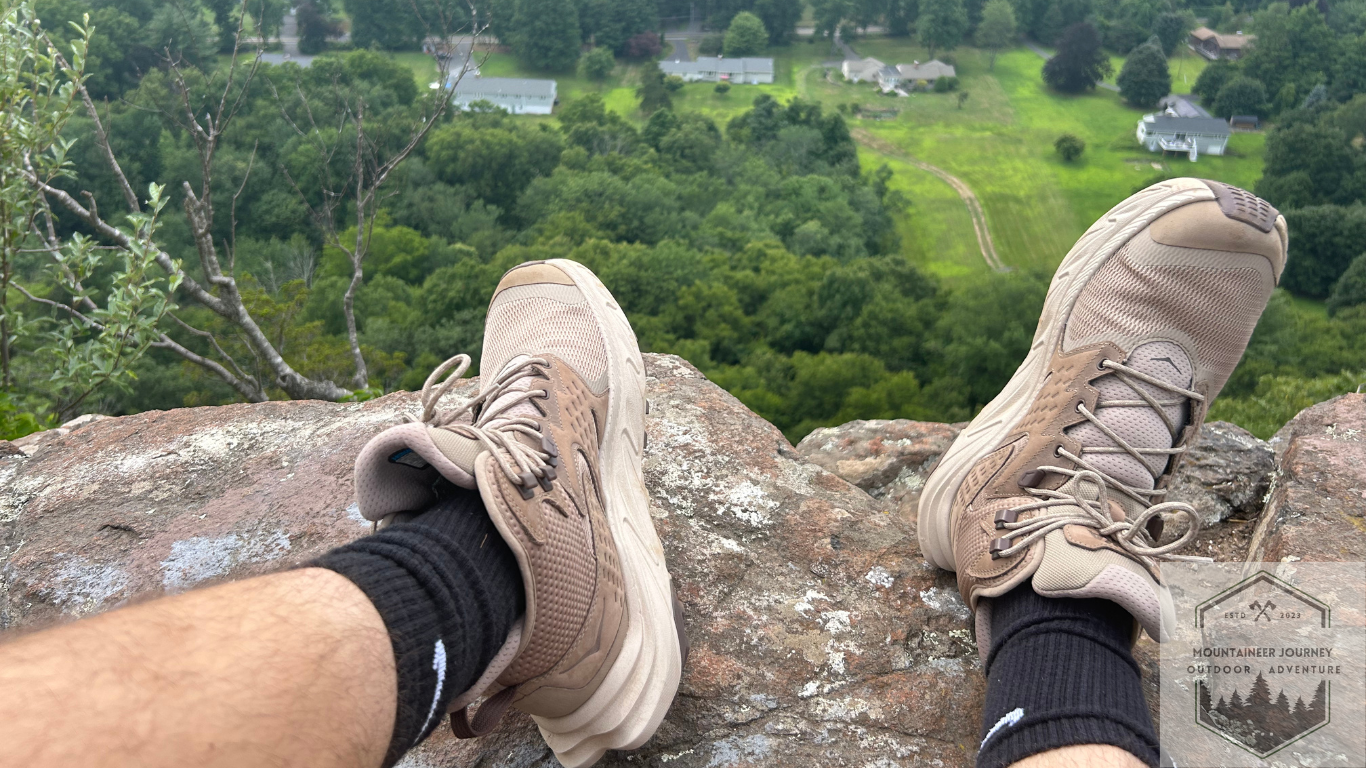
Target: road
(975, 212)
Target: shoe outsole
(985, 433)
(633, 698)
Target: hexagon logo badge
(1238, 701)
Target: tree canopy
(745, 36)
(1144, 78)
(997, 28)
(942, 24)
(1080, 62)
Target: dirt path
(975, 212)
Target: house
(718, 69)
(860, 70)
(516, 95)
(1166, 132)
(925, 74)
(1213, 45)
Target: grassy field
(1000, 143)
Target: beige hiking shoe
(1061, 479)
(553, 442)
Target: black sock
(443, 580)
(1060, 673)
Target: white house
(516, 95)
(859, 70)
(719, 69)
(1192, 135)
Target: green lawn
(1000, 144)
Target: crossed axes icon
(1262, 609)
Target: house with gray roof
(751, 70)
(927, 73)
(1192, 135)
(517, 95)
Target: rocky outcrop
(889, 459)
(818, 634)
(1317, 507)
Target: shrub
(1069, 146)
(722, 88)
(945, 84)
(673, 83)
(711, 44)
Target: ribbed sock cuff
(1060, 673)
(449, 591)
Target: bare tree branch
(214, 341)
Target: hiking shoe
(553, 442)
(1061, 478)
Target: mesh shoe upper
(1074, 495)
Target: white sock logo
(438, 664)
(1010, 718)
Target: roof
(503, 86)
(865, 67)
(930, 70)
(1205, 126)
(1235, 41)
(746, 65)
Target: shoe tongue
(527, 381)
(1139, 425)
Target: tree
(545, 34)
(645, 45)
(711, 44)
(1171, 29)
(597, 64)
(316, 24)
(343, 169)
(1213, 79)
(1144, 78)
(901, 14)
(997, 29)
(388, 24)
(828, 14)
(1079, 63)
(1328, 238)
(780, 18)
(1350, 289)
(1293, 46)
(1069, 147)
(942, 24)
(1241, 96)
(745, 36)
(653, 93)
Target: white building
(719, 69)
(516, 95)
(859, 70)
(1192, 135)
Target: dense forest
(759, 249)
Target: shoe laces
(1059, 508)
(488, 418)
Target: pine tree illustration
(1318, 706)
(1301, 714)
